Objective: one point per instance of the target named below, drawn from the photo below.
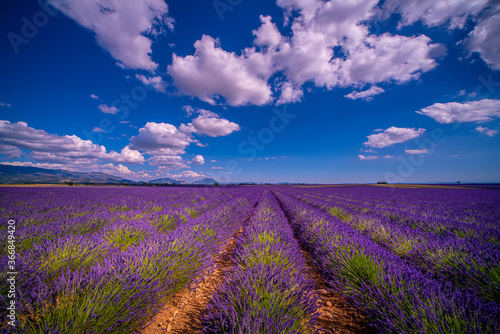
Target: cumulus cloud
(168, 162)
(485, 37)
(455, 112)
(107, 109)
(161, 139)
(424, 151)
(121, 27)
(7, 105)
(213, 72)
(156, 82)
(370, 157)
(217, 168)
(366, 95)
(126, 155)
(393, 135)
(434, 13)
(486, 131)
(330, 45)
(10, 152)
(37, 165)
(119, 169)
(64, 149)
(386, 58)
(93, 96)
(290, 93)
(267, 34)
(188, 174)
(197, 160)
(210, 124)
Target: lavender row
(48, 213)
(268, 290)
(395, 295)
(464, 213)
(469, 262)
(116, 278)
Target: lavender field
(112, 259)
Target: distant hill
(166, 180)
(18, 174)
(207, 180)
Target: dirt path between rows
(336, 316)
(184, 313)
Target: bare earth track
(184, 313)
(336, 316)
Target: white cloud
(364, 157)
(161, 139)
(156, 82)
(212, 72)
(434, 13)
(485, 37)
(386, 58)
(290, 93)
(424, 151)
(97, 129)
(37, 165)
(10, 152)
(107, 109)
(213, 161)
(121, 27)
(93, 96)
(267, 34)
(197, 160)
(393, 135)
(455, 112)
(7, 105)
(217, 168)
(330, 45)
(189, 110)
(168, 162)
(201, 145)
(487, 131)
(389, 157)
(126, 155)
(212, 125)
(188, 174)
(123, 171)
(120, 170)
(366, 94)
(63, 149)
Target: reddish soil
(184, 313)
(336, 316)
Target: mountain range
(34, 175)
(19, 174)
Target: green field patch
(265, 257)
(120, 208)
(165, 223)
(123, 238)
(71, 256)
(265, 237)
(340, 213)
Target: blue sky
(266, 91)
